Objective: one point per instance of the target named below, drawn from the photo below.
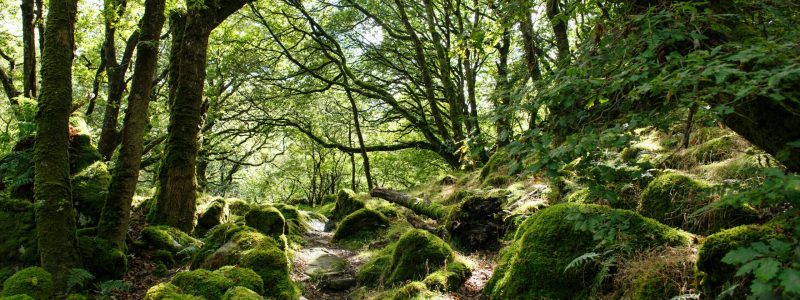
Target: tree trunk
(115, 217)
(29, 49)
(559, 25)
(444, 73)
(420, 206)
(55, 215)
(360, 137)
(503, 91)
(177, 183)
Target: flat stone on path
(323, 263)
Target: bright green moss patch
(712, 273)
(33, 281)
(273, 267)
(238, 207)
(497, 181)
(168, 238)
(76, 297)
(228, 250)
(18, 239)
(347, 202)
(267, 220)
(449, 278)
(203, 283)
(412, 290)
(362, 223)
(102, 258)
(243, 277)
(533, 266)
(241, 293)
(673, 199)
(168, 291)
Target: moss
(241, 293)
(229, 249)
(32, 281)
(347, 202)
(243, 277)
(102, 258)
(533, 266)
(213, 215)
(374, 270)
(457, 196)
(711, 272)
(89, 190)
(497, 181)
(267, 220)
(497, 164)
(163, 256)
(477, 223)
(416, 254)
(168, 238)
(673, 198)
(272, 265)
(450, 278)
(77, 297)
(17, 297)
(412, 290)
(18, 238)
(296, 222)
(16, 173)
(361, 223)
(203, 283)
(655, 275)
(743, 167)
(238, 207)
(168, 291)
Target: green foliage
(361, 224)
(102, 258)
(267, 220)
(774, 267)
(106, 288)
(32, 281)
(79, 279)
(410, 291)
(547, 242)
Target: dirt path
(320, 253)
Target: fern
(78, 279)
(107, 287)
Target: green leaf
(740, 256)
(790, 280)
(767, 269)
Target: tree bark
(559, 25)
(55, 215)
(360, 137)
(177, 183)
(418, 205)
(115, 216)
(29, 49)
(503, 91)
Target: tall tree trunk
(559, 24)
(177, 183)
(29, 49)
(360, 137)
(115, 217)
(502, 91)
(444, 73)
(55, 215)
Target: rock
(213, 215)
(341, 283)
(267, 220)
(325, 264)
(361, 223)
(478, 222)
(347, 203)
(34, 282)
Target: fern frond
(78, 278)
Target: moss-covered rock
(203, 283)
(374, 270)
(273, 267)
(497, 181)
(18, 239)
(477, 223)
(266, 219)
(168, 238)
(411, 291)
(82, 153)
(243, 277)
(450, 278)
(168, 291)
(534, 265)
(712, 273)
(416, 254)
(361, 223)
(347, 202)
(163, 256)
(673, 198)
(655, 275)
(238, 207)
(241, 293)
(213, 215)
(32, 281)
(228, 250)
(497, 164)
(89, 190)
(296, 222)
(102, 258)
(5, 273)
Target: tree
(55, 215)
(177, 183)
(115, 216)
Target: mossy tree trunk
(29, 49)
(55, 216)
(559, 24)
(177, 183)
(115, 217)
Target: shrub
(32, 281)
(535, 264)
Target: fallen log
(417, 205)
